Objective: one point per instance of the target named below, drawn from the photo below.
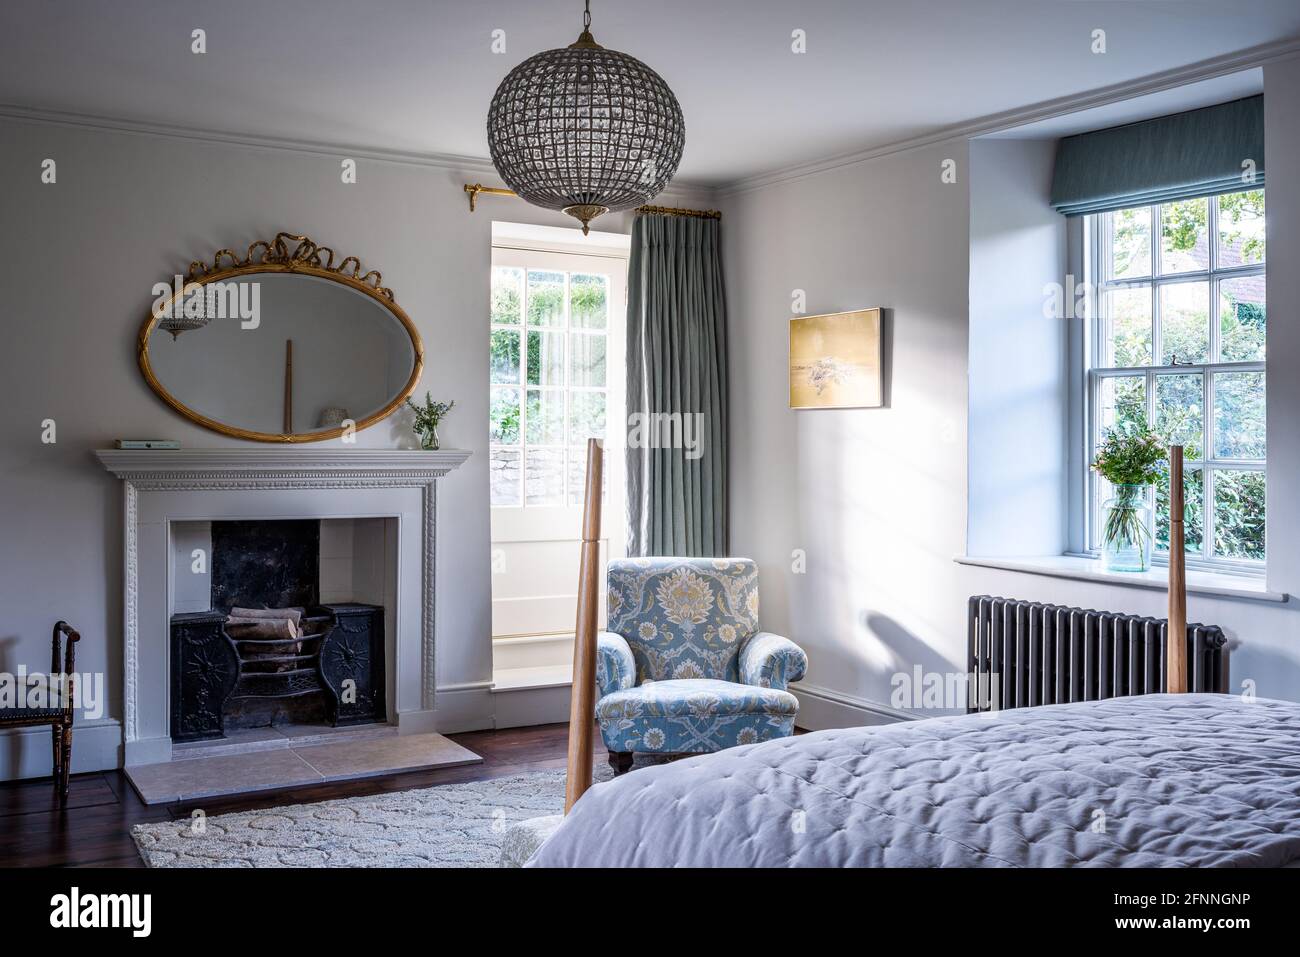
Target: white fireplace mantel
(164, 486)
(200, 466)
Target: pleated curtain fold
(676, 388)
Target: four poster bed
(1149, 780)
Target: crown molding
(113, 124)
(1048, 109)
(480, 166)
(472, 166)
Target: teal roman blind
(1196, 153)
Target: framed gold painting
(836, 361)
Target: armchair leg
(620, 761)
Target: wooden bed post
(1176, 644)
(582, 705)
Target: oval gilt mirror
(283, 345)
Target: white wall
(875, 498)
(1282, 195)
(81, 256)
(878, 498)
(1018, 356)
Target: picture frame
(837, 360)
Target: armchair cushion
(770, 661)
(615, 669)
(684, 618)
(693, 716)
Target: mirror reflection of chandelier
(190, 308)
(585, 129)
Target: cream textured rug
(451, 825)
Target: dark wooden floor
(94, 831)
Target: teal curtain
(676, 388)
(1197, 153)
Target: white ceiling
(417, 75)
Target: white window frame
(1097, 263)
(542, 260)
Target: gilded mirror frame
(303, 257)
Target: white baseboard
(462, 707)
(148, 751)
(27, 752)
(821, 709)
(524, 707)
(417, 722)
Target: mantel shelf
(280, 462)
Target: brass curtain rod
(475, 188)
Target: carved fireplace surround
(163, 487)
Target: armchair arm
(770, 661)
(615, 666)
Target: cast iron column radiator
(1050, 654)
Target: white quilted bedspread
(1156, 780)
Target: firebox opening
(271, 625)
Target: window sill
(1089, 569)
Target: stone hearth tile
(310, 735)
(197, 778)
(340, 761)
(236, 741)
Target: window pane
(544, 477)
(1179, 412)
(545, 417)
(587, 359)
(586, 416)
(1241, 228)
(1130, 251)
(1123, 402)
(1238, 514)
(504, 416)
(1129, 312)
(1241, 319)
(588, 301)
(1184, 322)
(505, 356)
(1193, 512)
(1184, 236)
(507, 295)
(578, 475)
(546, 358)
(545, 298)
(1239, 415)
(504, 467)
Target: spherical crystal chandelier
(585, 130)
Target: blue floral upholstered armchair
(683, 668)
